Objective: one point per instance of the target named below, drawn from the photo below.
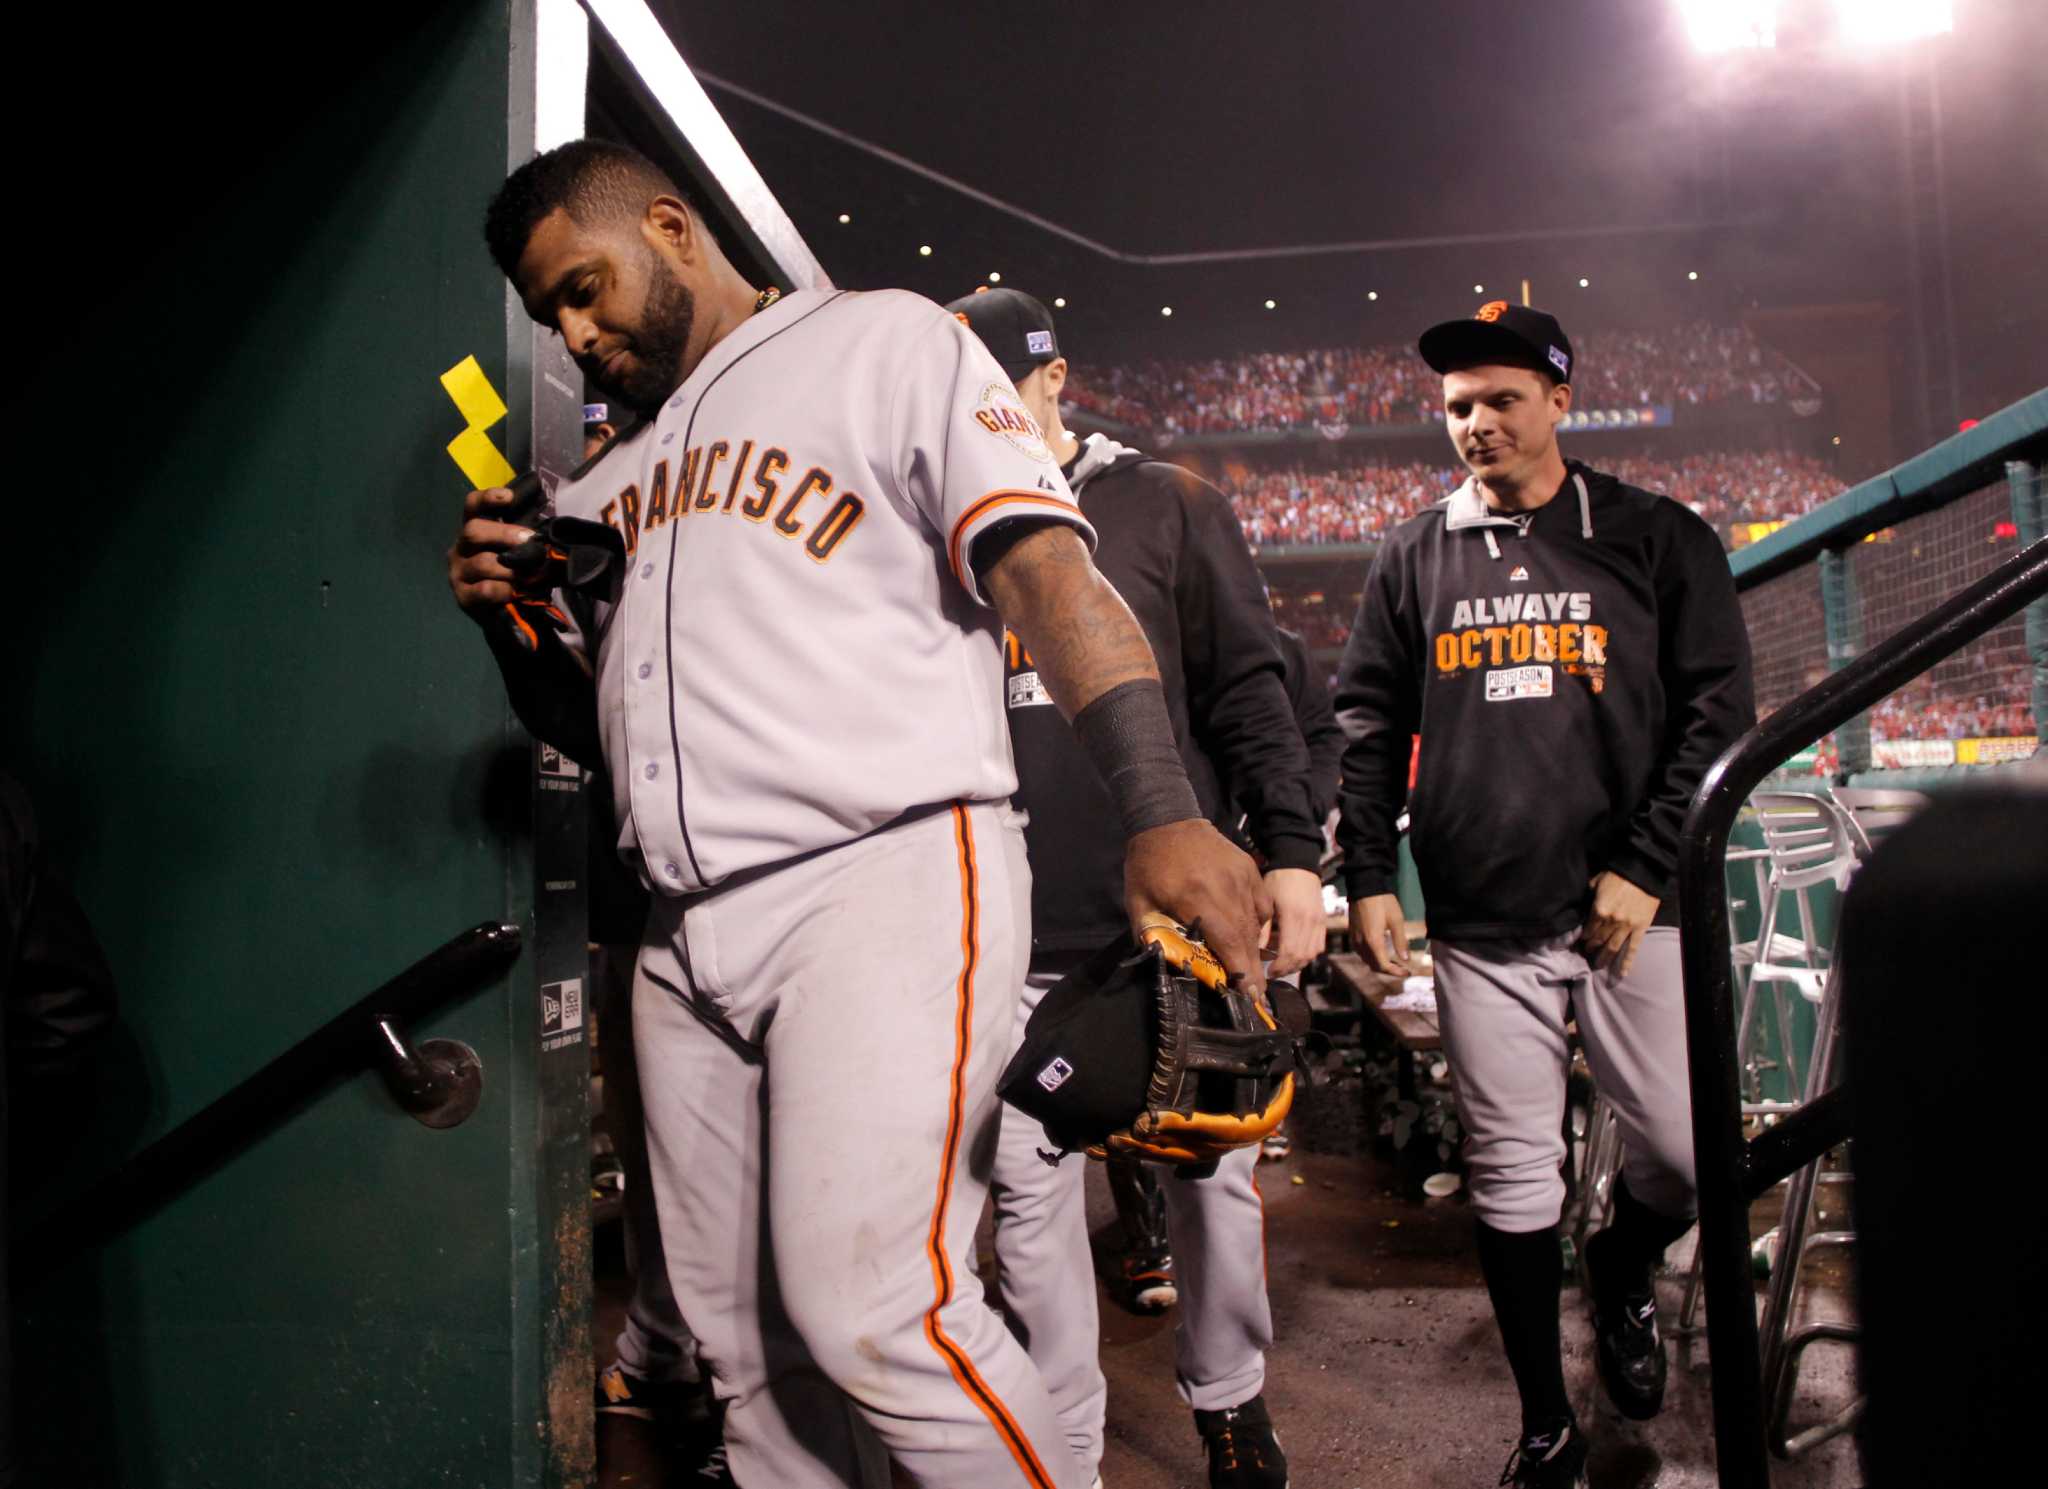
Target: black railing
(1733, 1170)
(438, 1083)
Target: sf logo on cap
(1492, 310)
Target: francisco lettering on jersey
(759, 483)
(1522, 636)
(1002, 413)
(1023, 688)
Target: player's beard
(654, 365)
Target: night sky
(1162, 128)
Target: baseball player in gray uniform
(1173, 548)
(833, 506)
(1572, 653)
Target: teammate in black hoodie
(1571, 651)
(1172, 547)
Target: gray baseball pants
(819, 1046)
(1047, 1272)
(1503, 1007)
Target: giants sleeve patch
(1001, 413)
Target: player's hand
(1192, 873)
(1614, 929)
(1379, 932)
(481, 583)
(1299, 926)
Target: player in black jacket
(1572, 653)
(1172, 548)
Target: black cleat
(1629, 1349)
(1244, 1451)
(1555, 1459)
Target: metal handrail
(431, 1081)
(1734, 1171)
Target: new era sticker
(1038, 343)
(1055, 1074)
(561, 1013)
(1507, 683)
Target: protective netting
(1975, 707)
(1787, 636)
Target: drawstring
(1585, 509)
(1491, 546)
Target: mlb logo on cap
(1038, 343)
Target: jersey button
(672, 871)
(646, 670)
(647, 571)
(651, 770)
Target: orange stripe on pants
(956, 1359)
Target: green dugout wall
(274, 761)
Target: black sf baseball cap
(1010, 323)
(1500, 334)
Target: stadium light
(1372, 294)
(1875, 22)
(1478, 289)
(924, 250)
(1692, 273)
(1059, 302)
(1269, 304)
(1166, 310)
(1584, 282)
(1730, 25)
(995, 276)
(844, 218)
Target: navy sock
(1524, 1277)
(1635, 1239)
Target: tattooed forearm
(1081, 636)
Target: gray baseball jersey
(801, 653)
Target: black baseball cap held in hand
(1503, 335)
(1011, 324)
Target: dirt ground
(1385, 1371)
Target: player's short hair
(594, 181)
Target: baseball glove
(1147, 1050)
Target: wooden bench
(1415, 1032)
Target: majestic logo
(1055, 1074)
(1492, 310)
(1518, 575)
(1038, 343)
(1002, 414)
(1560, 361)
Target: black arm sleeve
(1316, 719)
(1379, 707)
(553, 694)
(1703, 663)
(1237, 702)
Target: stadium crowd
(1920, 710)
(1683, 366)
(1356, 500)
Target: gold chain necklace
(766, 298)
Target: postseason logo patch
(1055, 1074)
(1027, 691)
(1507, 683)
(1002, 414)
(1561, 362)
